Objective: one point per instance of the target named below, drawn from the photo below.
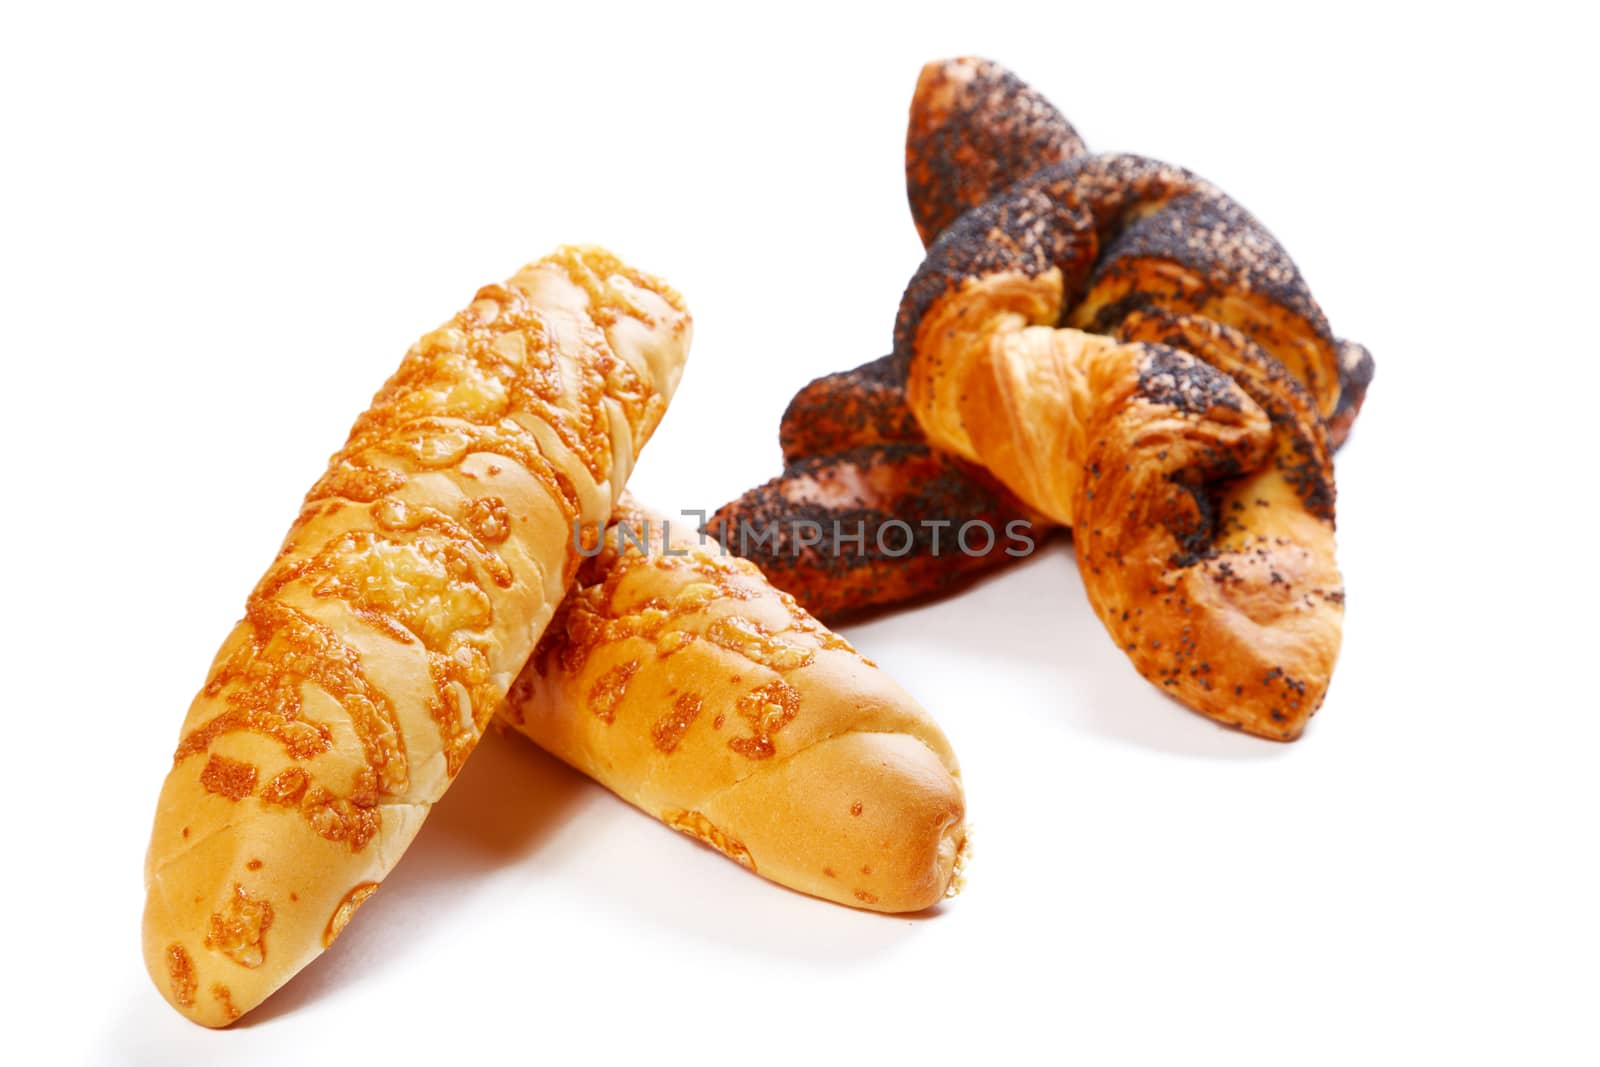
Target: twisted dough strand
(975, 128)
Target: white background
(221, 229)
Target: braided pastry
(1201, 493)
(1128, 352)
(698, 692)
(409, 591)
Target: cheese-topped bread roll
(415, 582)
(683, 681)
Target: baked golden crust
(1200, 493)
(1247, 625)
(694, 689)
(408, 593)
